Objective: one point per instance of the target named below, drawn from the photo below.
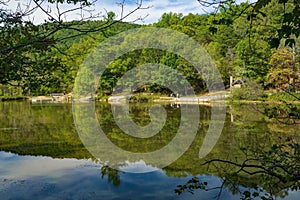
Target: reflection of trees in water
(276, 170)
(112, 175)
(49, 130)
(265, 171)
(284, 113)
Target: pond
(43, 156)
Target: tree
(261, 26)
(21, 39)
(281, 73)
(169, 20)
(73, 58)
(289, 16)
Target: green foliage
(277, 165)
(14, 98)
(250, 91)
(112, 175)
(284, 97)
(240, 39)
(288, 15)
(191, 185)
(168, 20)
(283, 70)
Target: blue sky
(152, 14)
(157, 8)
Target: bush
(250, 91)
(139, 98)
(284, 96)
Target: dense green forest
(241, 42)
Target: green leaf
(247, 194)
(290, 42)
(288, 17)
(255, 194)
(274, 43)
(213, 30)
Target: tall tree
(289, 16)
(21, 39)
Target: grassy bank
(265, 97)
(13, 98)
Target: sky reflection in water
(30, 177)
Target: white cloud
(138, 167)
(22, 167)
(157, 8)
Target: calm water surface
(42, 156)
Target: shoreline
(206, 99)
(261, 102)
(14, 98)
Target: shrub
(250, 91)
(284, 96)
